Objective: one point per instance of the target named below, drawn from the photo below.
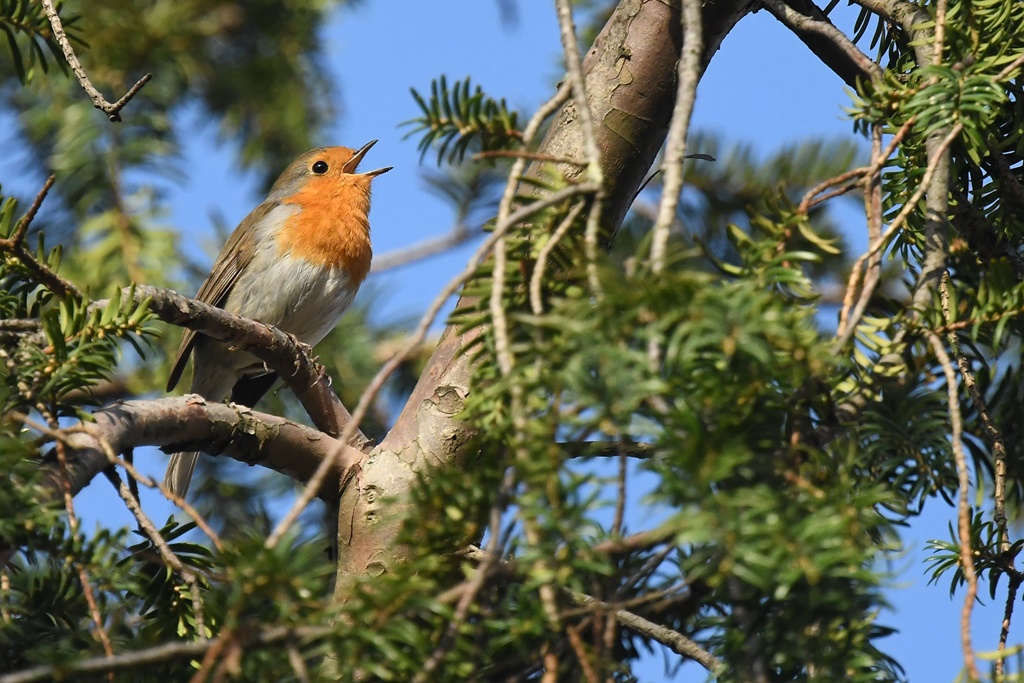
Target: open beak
(351, 164)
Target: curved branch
(188, 423)
(828, 43)
(111, 109)
(281, 352)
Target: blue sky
(763, 87)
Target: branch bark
(280, 351)
(629, 74)
(184, 422)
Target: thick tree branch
(827, 42)
(280, 351)
(189, 422)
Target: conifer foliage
(676, 419)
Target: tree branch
(827, 42)
(281, 352)
(161, 653)
(189, 422)
(112, 110)
(458, 235)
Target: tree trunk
(630, 78)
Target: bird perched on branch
(295, 262)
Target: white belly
(295, 296)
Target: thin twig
(177, 500)
(993, 433)
(999, 473)
(620, 497)
(132, 503)
(607, 449)
(964, 508)
(848, 323)
(297, 663)
(166, 554)
(1004, 629)
(941, 7)
(496, 304)
(687, 75)
(474, 586)
(69, 506)
(873, 215)
(674, 640)
(524, 154)
(811, 199)
(112, 110)
(403, 256)
(580, 648)
(15, 246)
(20, 230)
(574, 74)
(540, 267)
(161, 653)
(413, 342)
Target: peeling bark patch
(449, 400)
(376, 569)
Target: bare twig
(848, 324)
(69, 506)
(674, 640)
(524, 154)
(574, 74)
(941, 6)
(161, 653)
(999, 473)
(687, 75)
(811, 199)
(15, 246)
(166, 554)
(993, 433)
(151, 483)
(1004, 629)
(964, 508)
(112, 110)
(540, 267)
(504, 207)
(639, 541)
(458, 235)
(18, 236)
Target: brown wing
(233, 258)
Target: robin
(295, 262)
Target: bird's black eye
(320, 167)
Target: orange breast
(332, 228)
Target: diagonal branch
(112, 110)
(828, 43)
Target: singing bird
(295, 262)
